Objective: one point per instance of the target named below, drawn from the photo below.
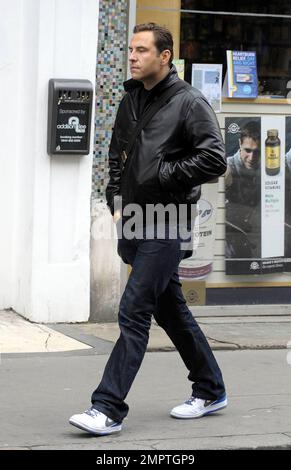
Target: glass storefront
(206, 37)
(203, 31)
(208, 28)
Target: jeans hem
(99, 407)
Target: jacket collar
(172, 77)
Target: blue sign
(242, 76)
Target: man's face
(144, 58)
(249, 152)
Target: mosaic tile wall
(110, 75)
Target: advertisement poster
(255, 195)
(241, 76)
(288, 196)
(207, 78)
(200, 264)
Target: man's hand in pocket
(116, 216)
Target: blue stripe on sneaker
(219, 400)
(214, 411)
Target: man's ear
(165, 56)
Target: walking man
(166, 142)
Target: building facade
(54, 266)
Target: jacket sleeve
(205, 159)
(113, 187)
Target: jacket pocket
(147, 183)
(167, 179)
(149, 176)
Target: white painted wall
(44, 201)
(9, 73)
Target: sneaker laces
(190, 400)
(93, 412)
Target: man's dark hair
(252, 131)
(163, 37)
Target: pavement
(50, 373)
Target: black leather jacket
(177, 151)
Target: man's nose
(132, 57)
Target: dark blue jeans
(154, 289)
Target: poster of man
(288, 196)
(257, 195)
(243, 195)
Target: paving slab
(222, 333)
(225, 333)
(18, 335)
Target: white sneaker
(197, 407)
(95, 422)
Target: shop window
(209, 28)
